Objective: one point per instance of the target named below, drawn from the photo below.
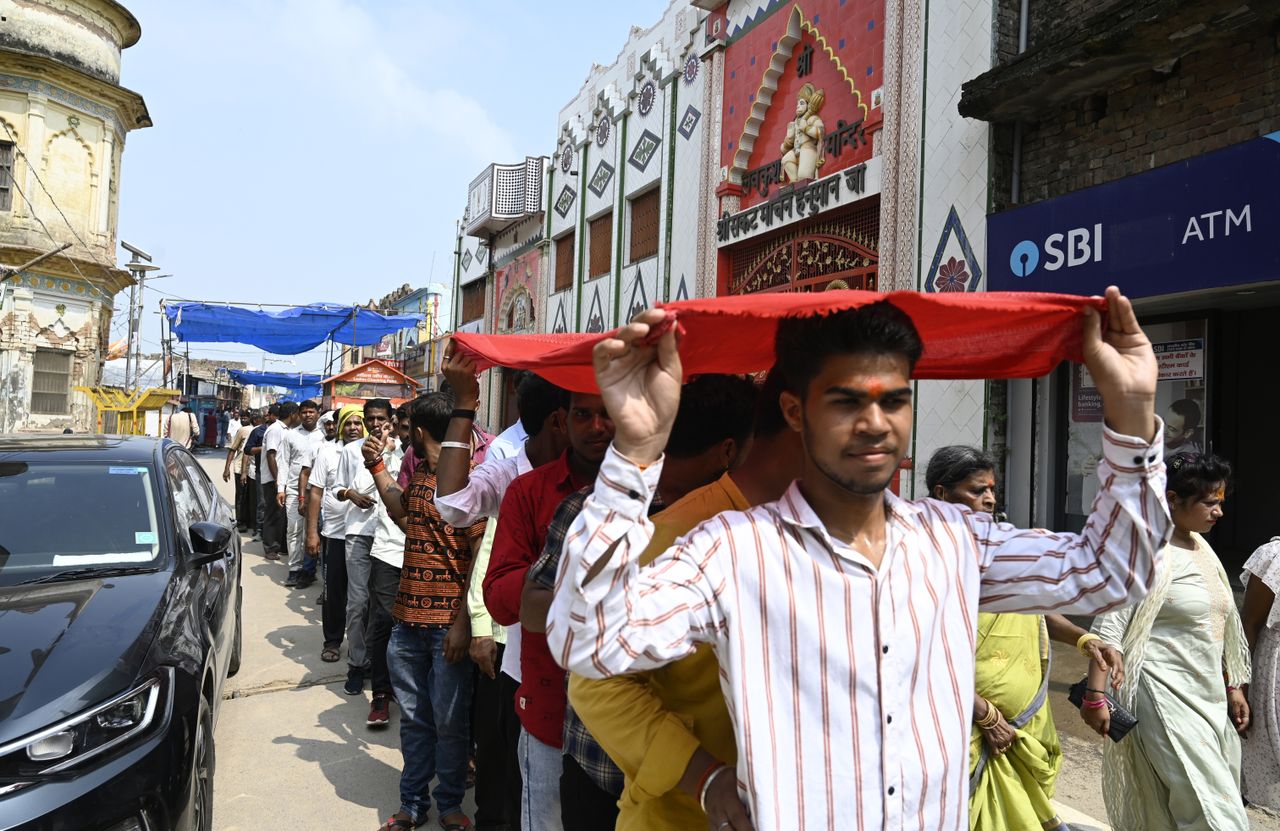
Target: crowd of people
(689, 603)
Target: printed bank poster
(1181, 400)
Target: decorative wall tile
(565, 200)
(645, 149)
(689, 122)
(601, 178)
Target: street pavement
(293, 749)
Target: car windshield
(62, 517)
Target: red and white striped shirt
(850, 687)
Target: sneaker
(379, 711)
(304, 579)
(292, 580)
(355, 681)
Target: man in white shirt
(354, 486)
(271, 474)
(326, 528)
(464, 496)
(843, 617)
(386, 559)
(297, 449)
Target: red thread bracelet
(377, 468)
(1095, 705)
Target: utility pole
(138, 266)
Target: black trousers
(273, 520)
(247, 504)
(583, 805)
(384, 582)
(497, 731)
(333, 614)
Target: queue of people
(689, 603)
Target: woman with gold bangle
(1014, 754)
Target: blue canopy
(303, 394)
(288, 380)
(286, 332)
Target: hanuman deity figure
(802, 149)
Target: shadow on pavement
(346, 761)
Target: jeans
(333, 614)
(273, 519)
(497, 733)
(384, 582)
(540, 768)
(358, 559)
(583, 805)
(434, 697)
(296, 538)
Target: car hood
(68, 645)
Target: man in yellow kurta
(666, 728)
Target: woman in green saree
(1014, 754)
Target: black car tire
(202, 766)
(233, 666)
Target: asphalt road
(294, 751)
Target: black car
(119, 621)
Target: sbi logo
(1083, 245)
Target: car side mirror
(209, 541)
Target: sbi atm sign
(1207, 222)
(1076, 247)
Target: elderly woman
(1014, 754)
(1187, 660)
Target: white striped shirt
(850, 687)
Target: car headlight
(88, 734)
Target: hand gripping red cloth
(966, 335)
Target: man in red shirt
(526, 512)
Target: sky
(320, 150)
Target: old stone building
(63, 122)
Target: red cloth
(966, 334)
(525, 515)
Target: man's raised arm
(609, 617)
(1113, 561)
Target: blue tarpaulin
(286, 332)
(303, 394)
(288, 380)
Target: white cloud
(337, 49)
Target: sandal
(398, 823)
(330, 654)
(465, 825)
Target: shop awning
(288, 380)
(285, 332)
(304, 394)
(967, 335)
